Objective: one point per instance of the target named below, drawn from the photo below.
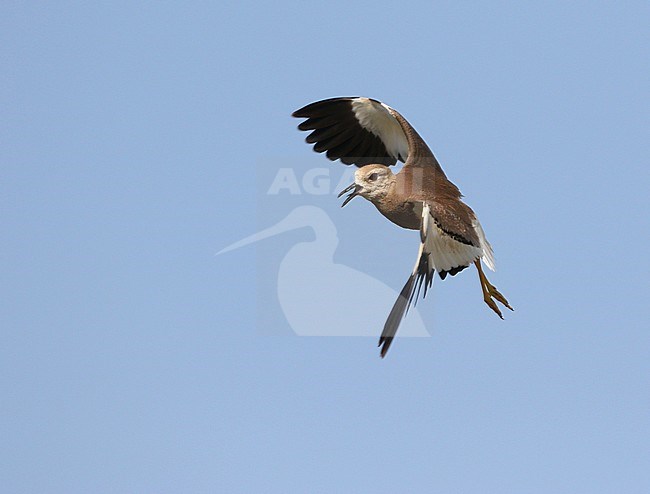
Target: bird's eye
(372, 177)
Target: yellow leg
(490, 291)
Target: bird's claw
(493, 293)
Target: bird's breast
(403, 214)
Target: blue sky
(136, 139)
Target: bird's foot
(491, 293)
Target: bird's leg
(490, 291)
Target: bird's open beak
(353, 189)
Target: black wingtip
(300, 113)
(316, 108)
(337, 132)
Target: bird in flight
(373, 136)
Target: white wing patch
(488, 253)
(444, 252)
(376, 118)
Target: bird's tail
(396, 315)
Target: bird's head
(371, 182)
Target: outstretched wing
(448, 244)
(358, 131)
